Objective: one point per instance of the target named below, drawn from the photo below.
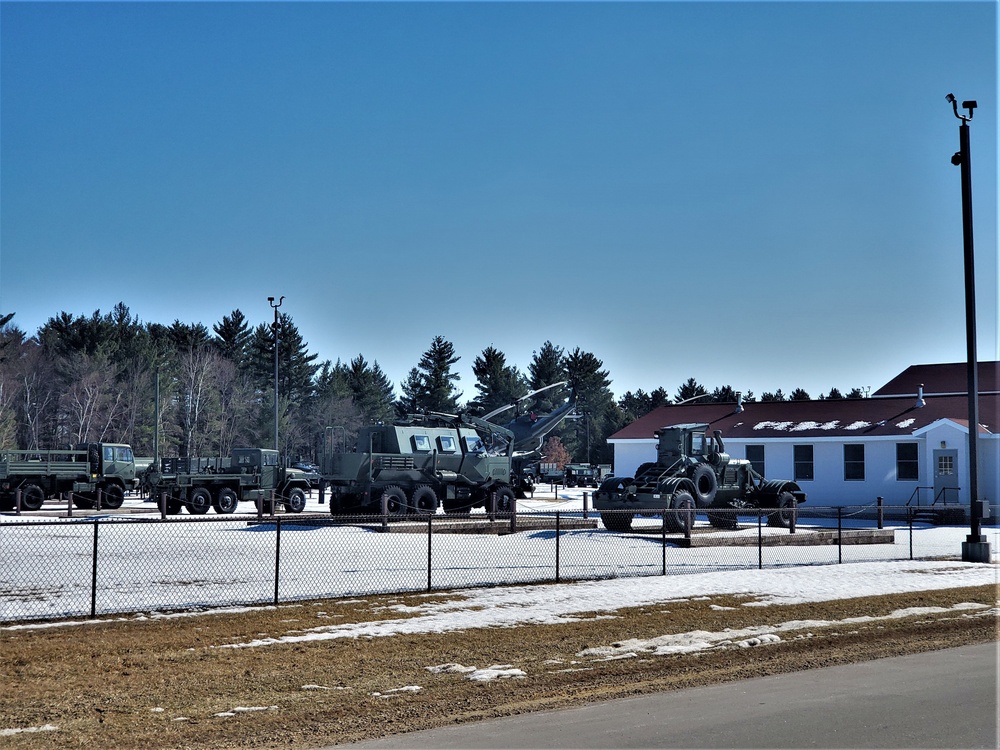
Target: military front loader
(250, 474)
(693, 472)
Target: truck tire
(295, 502)
(781, 515)
(619, 521)
(396, 500)
(199, 501)
(505, 499)
(112, 497)
(425, 499)
(174, 505)
(226, 501)
(706, 484)
(32, 497)
(680, 517)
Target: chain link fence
(73, 567)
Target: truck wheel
(781, 516)
(505, 499)
(396, 500)
(617, 521)
(680, 517)
(199, 501)
(112, 497)
(32, 497)
(296, 501)
(425, 499)
(226, 501)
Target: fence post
(513, 516)
(909, 522)
(385, 511)
(100, 496)
(663, 546)
(17, 502)
(274, 501)
(430, 532)
(93, 574)
(163, 506)
(878, 501)
(760, 539)
(840, 534)
(585, 498)
(795, 513)
(557, 546)
(277, 557)
(491, 506)
(69, 505)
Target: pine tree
(430, 386)
(799, 395)
(233, 337)
(690, 390)
(498, 384)
(547, 367)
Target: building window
(803, 455)
(854, 462)
(907, 468)
(755, 455)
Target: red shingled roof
(865, 417)
(946, 378)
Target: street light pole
(271, 302)
(975, 548)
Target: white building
(907, 443)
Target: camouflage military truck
(692, 471)
(92, 471)
(250, 474)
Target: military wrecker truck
(426, 461)
(250, 474)
(692, 471)
(92, 471)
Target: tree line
(185, 390)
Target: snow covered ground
(148, 567)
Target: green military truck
(250, 474)
(93, 472)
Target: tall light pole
(271, 302)
(975, 548)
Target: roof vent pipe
(739, 402)
(920, 397)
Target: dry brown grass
(100, 683)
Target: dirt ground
(163, 683)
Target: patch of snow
(858, 425)
(905, 423)
(28, 730)
(496, 672)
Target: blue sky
(752, 194)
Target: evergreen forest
(111, 377)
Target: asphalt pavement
(939, 699)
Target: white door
(946, 475)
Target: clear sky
(752, 194)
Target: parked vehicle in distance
(91, 471)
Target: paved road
(941, 699)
